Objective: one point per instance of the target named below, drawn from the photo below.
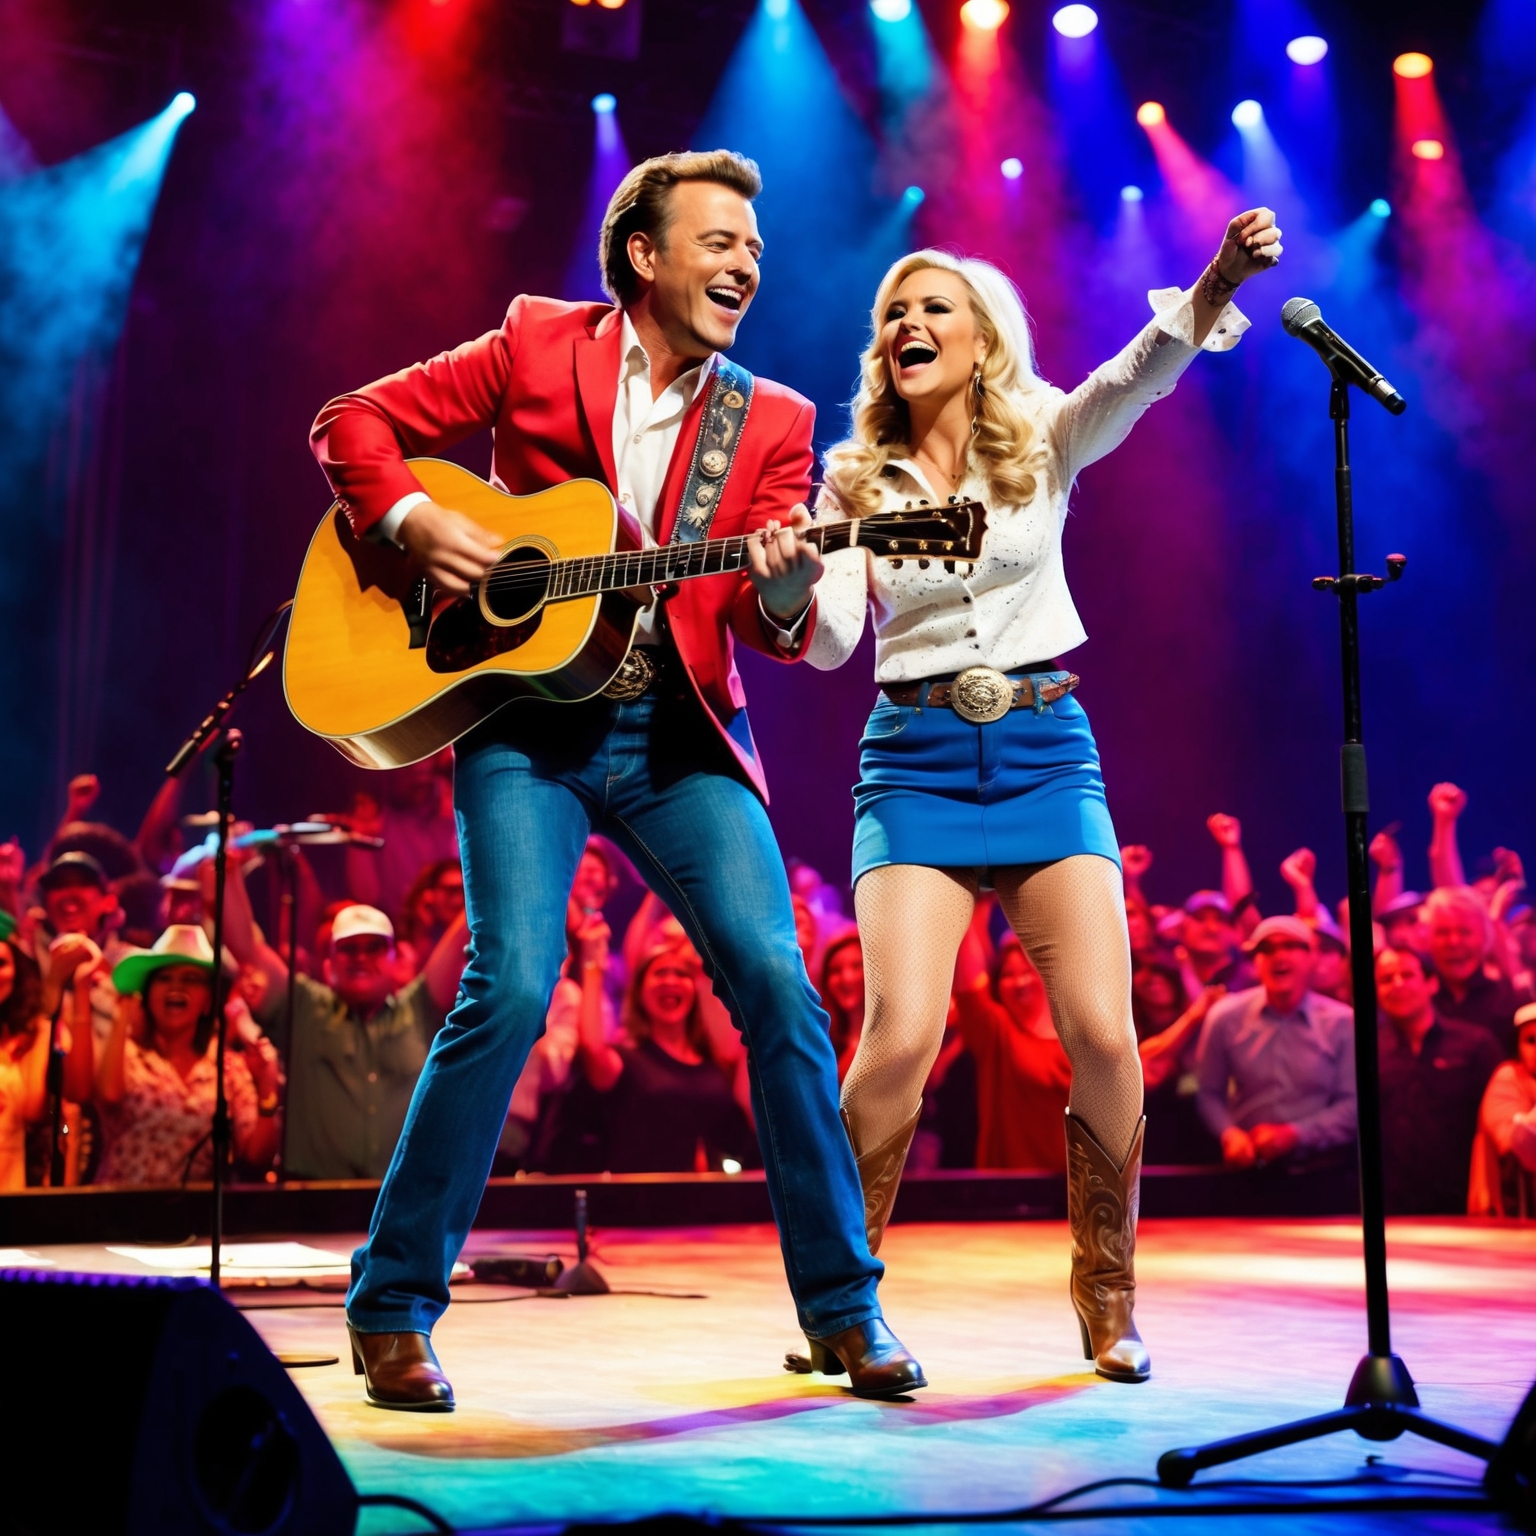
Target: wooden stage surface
(620, 1406)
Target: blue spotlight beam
(610, 163)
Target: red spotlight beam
(1195, 184)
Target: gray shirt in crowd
(1259, 1067)
(349, 1081)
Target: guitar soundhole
(461, 638)
(518, 584)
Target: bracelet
(1214, 288)
(267, 1107)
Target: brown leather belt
(979, 694)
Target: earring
(976, 382)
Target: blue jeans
(529, 786)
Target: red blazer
(545, 383)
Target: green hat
(180, 944)
(7, 925)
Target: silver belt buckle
(981, 695)
(635, 675)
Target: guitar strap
(725, 415)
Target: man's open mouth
(727, 297)
(914, 354)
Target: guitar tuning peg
(949, 565)
(896, 565)
(923, 565)
(909, 506)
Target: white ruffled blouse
(1012, 606)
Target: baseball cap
(1404, 901)
(1280, 928)
(1203, 900)
(74, 862)
(357, 919)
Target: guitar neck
(677, 562)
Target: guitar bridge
(418, 612)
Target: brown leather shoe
(880, 1175)
(1102, 1204)
(401, 1371)
(876, 1361)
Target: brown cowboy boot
(880, 1175)
(400, 1371)
(1102, 1203)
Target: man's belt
(983, 694)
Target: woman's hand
(1250, 246)
(592, 942)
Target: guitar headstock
(951, 530)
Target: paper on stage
(266, 1261)
(19, 1258)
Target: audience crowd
(1244, 1020)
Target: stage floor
(615, 1407)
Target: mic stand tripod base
(1380, 1405)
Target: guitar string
(570, 578)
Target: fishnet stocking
(1070, 917)
(911, 922)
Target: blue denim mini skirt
(934, 789)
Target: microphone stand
(212, 728)
(1381, 1403)
(224, 757)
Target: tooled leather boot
(880, 1175)
(1102, 1204)
(400, 1371)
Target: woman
(666, 1104)
(1022, 1073)
(978, 764)
(1504, 1154)
(23, 1061)
(842, 995)
(156, 1092)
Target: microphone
(1304, 320)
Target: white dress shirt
(645, 435)
(1012, 606)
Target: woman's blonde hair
(1005, 444)
(637, 1023)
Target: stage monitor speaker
(149, 1406)
(1511, 1477)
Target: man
(79, 904)
(357, 1044)
(1277, 1061)
(670, 773)
(1433, 1073)
(1208, 933)
(1460, 937)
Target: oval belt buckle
(981, 695)
(635, 675)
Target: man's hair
(1408, 952)
(1452, 901)
(642, 205)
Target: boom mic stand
(1381, 1403)
(212, 728)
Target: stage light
(183, 102)
(611, 5)
(1428, 149)
(776, 10)
(913, 196)
(604, 102)
(1131, 194)
(1412, 66)
(891, 10)
(1306, 50)
(1247, 114)
(1013, 167)
(1381, 207)
(1075, 20)
(1150, 113)
(984, 15)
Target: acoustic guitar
(390, 672)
